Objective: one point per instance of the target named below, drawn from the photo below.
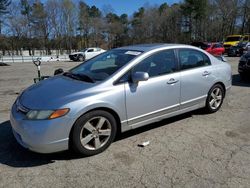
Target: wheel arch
(111, 111)
(223, 86)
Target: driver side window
(90, 50)
(160, 63)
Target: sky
(126, 6)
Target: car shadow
(14, 155)
(237, 81)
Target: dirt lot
(191, 150)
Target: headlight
(46, 114)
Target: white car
(86, 54)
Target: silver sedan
(116, 91)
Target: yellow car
(232, 40)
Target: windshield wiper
(85, 77)
(82, 77)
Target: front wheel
(215, 98)
(93, 132)
(81, 58)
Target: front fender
(99, 104)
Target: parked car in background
(85, 54)
(119, 90)
(244, 66)
(216, 49)
(232, 40)
(246, 38)
(202, 45)
(238, 50)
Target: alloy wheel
(215, 98)
(95, 133)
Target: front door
(157, 96)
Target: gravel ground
(191, 150)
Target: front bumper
(42, 136)
(244, 67)
(73, 57)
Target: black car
(237, 50)
(244, 66)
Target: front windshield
(102, 66)
(230, 39)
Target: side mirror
(139, 76)
(58, 71)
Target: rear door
(196, 77)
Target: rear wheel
(93, 132)
(215, 98)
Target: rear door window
(190, 58)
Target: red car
(216, 49)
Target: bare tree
(67, 25)
(3, 10)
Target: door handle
(172, 81)
(206, 73)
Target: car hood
(232, 43)
(54, 92)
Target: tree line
(72, 24)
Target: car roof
(148, 47)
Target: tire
(81, 58)
(215, 98)
(93, 132)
